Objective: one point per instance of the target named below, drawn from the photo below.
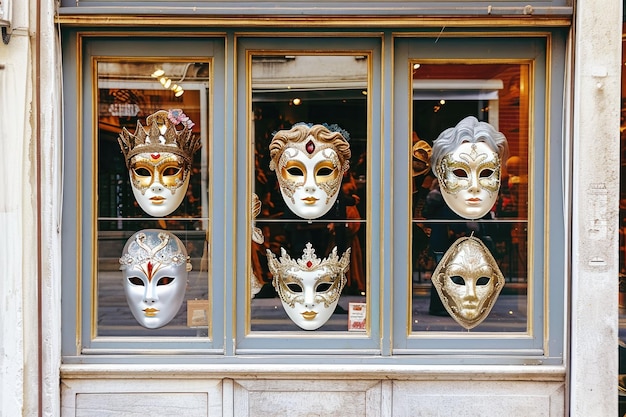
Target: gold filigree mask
(309, 162)
(320, 169)
(167, 169)
(309, 287)
(470, 179)
(468, 281)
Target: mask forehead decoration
(309, 287)
(468, 281)
(467, 162)
(154, 267)
(154, 246)
(161, 135)
(310, 161)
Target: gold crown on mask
(160, 135)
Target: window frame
(319, 341)
(80, 257)
(546, 252)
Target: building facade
(167, 252)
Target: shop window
(496, 95)
(473, 164)
(143, 280)
(309, 281)
(304, 223)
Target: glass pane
(152, 183)
(447, 293)
(310, 177)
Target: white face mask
(154, 267)
(309, 184)
(159, 182)
(309, 288)
(468, 281)
(310, 291)
(470, 179)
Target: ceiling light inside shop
(166, 81)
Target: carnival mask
(309, 287)
(309, 164)
(470, 179)
(154, 266)
(159, 161)
(159, 182)
(467, 162)
(468, 281)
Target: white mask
(309, 184)
(470, 179)
(468, 281)
(154, 266)
(159, 182)
(309, 163)
(309, 288)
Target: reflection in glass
(128, 93)
(329, 90)
(443, 95)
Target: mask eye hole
(483, 281)
(324, 172)
(323, 287)
(295, 171)
(460, 173)
(294, 287)
(171, 171)
(136, 281)
(165, 281)
(458, 280)
(486, 173)
(142, 172)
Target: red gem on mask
(150, 268)
(310, 147)
(155, 155)
(309, 264)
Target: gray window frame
(79, 202)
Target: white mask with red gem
(154, 266)
(309, 164)
(309, 287)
